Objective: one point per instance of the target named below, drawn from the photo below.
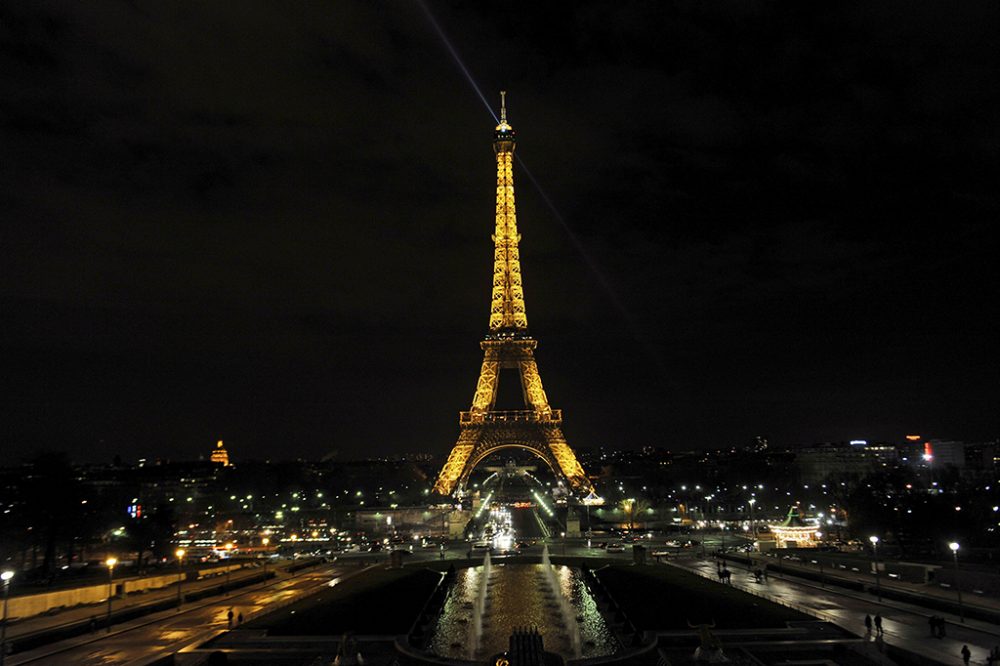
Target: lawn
(380, 601)
(666, 598)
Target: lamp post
(753, 528)
(111, 562)
(958, 583)
(6, 576)
(229, 556)
(878, 583)
(180, 576)
(264, 542)
(822, 581)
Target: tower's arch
(538, 452)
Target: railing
(515, 416)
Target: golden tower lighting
(508, 345)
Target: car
(375, 547)
(615, 547)
(481, 545)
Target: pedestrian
(765, 573)
(239, 618)
(966, 654)
(229, 616)
(878, 623)
(868, 624)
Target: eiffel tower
(508, 345)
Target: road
(75, 616)
(905, 625)
(145, 639)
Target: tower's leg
(568, 464)
(454, 468)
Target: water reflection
(518, 596)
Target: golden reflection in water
(518, 596)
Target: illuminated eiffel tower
(508, 345)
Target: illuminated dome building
(220, 455)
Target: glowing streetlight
(229, 555)
(878, 582)
(958, 582)
(110, 562)
(5, 576)
(180, 575)
(264, 541)
(753, 528)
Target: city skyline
(286, 241)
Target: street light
(878, 582)
(6, 576)
(753, 528)
(229, 556)
(822, 581)
(111, 562)
(958, 583)
(264, 542)
(180, 576)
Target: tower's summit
(504, 132)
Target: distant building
(854, 459)
(220, 455)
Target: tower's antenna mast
(503, 107)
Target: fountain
(518, 596)
(479, 607)
(565, 607)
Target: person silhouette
(878, 623)
(229, 616)
(966, 654)
(868, 624)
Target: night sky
(269, 222)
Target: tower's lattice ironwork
(508, 345)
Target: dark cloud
(272, 224)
